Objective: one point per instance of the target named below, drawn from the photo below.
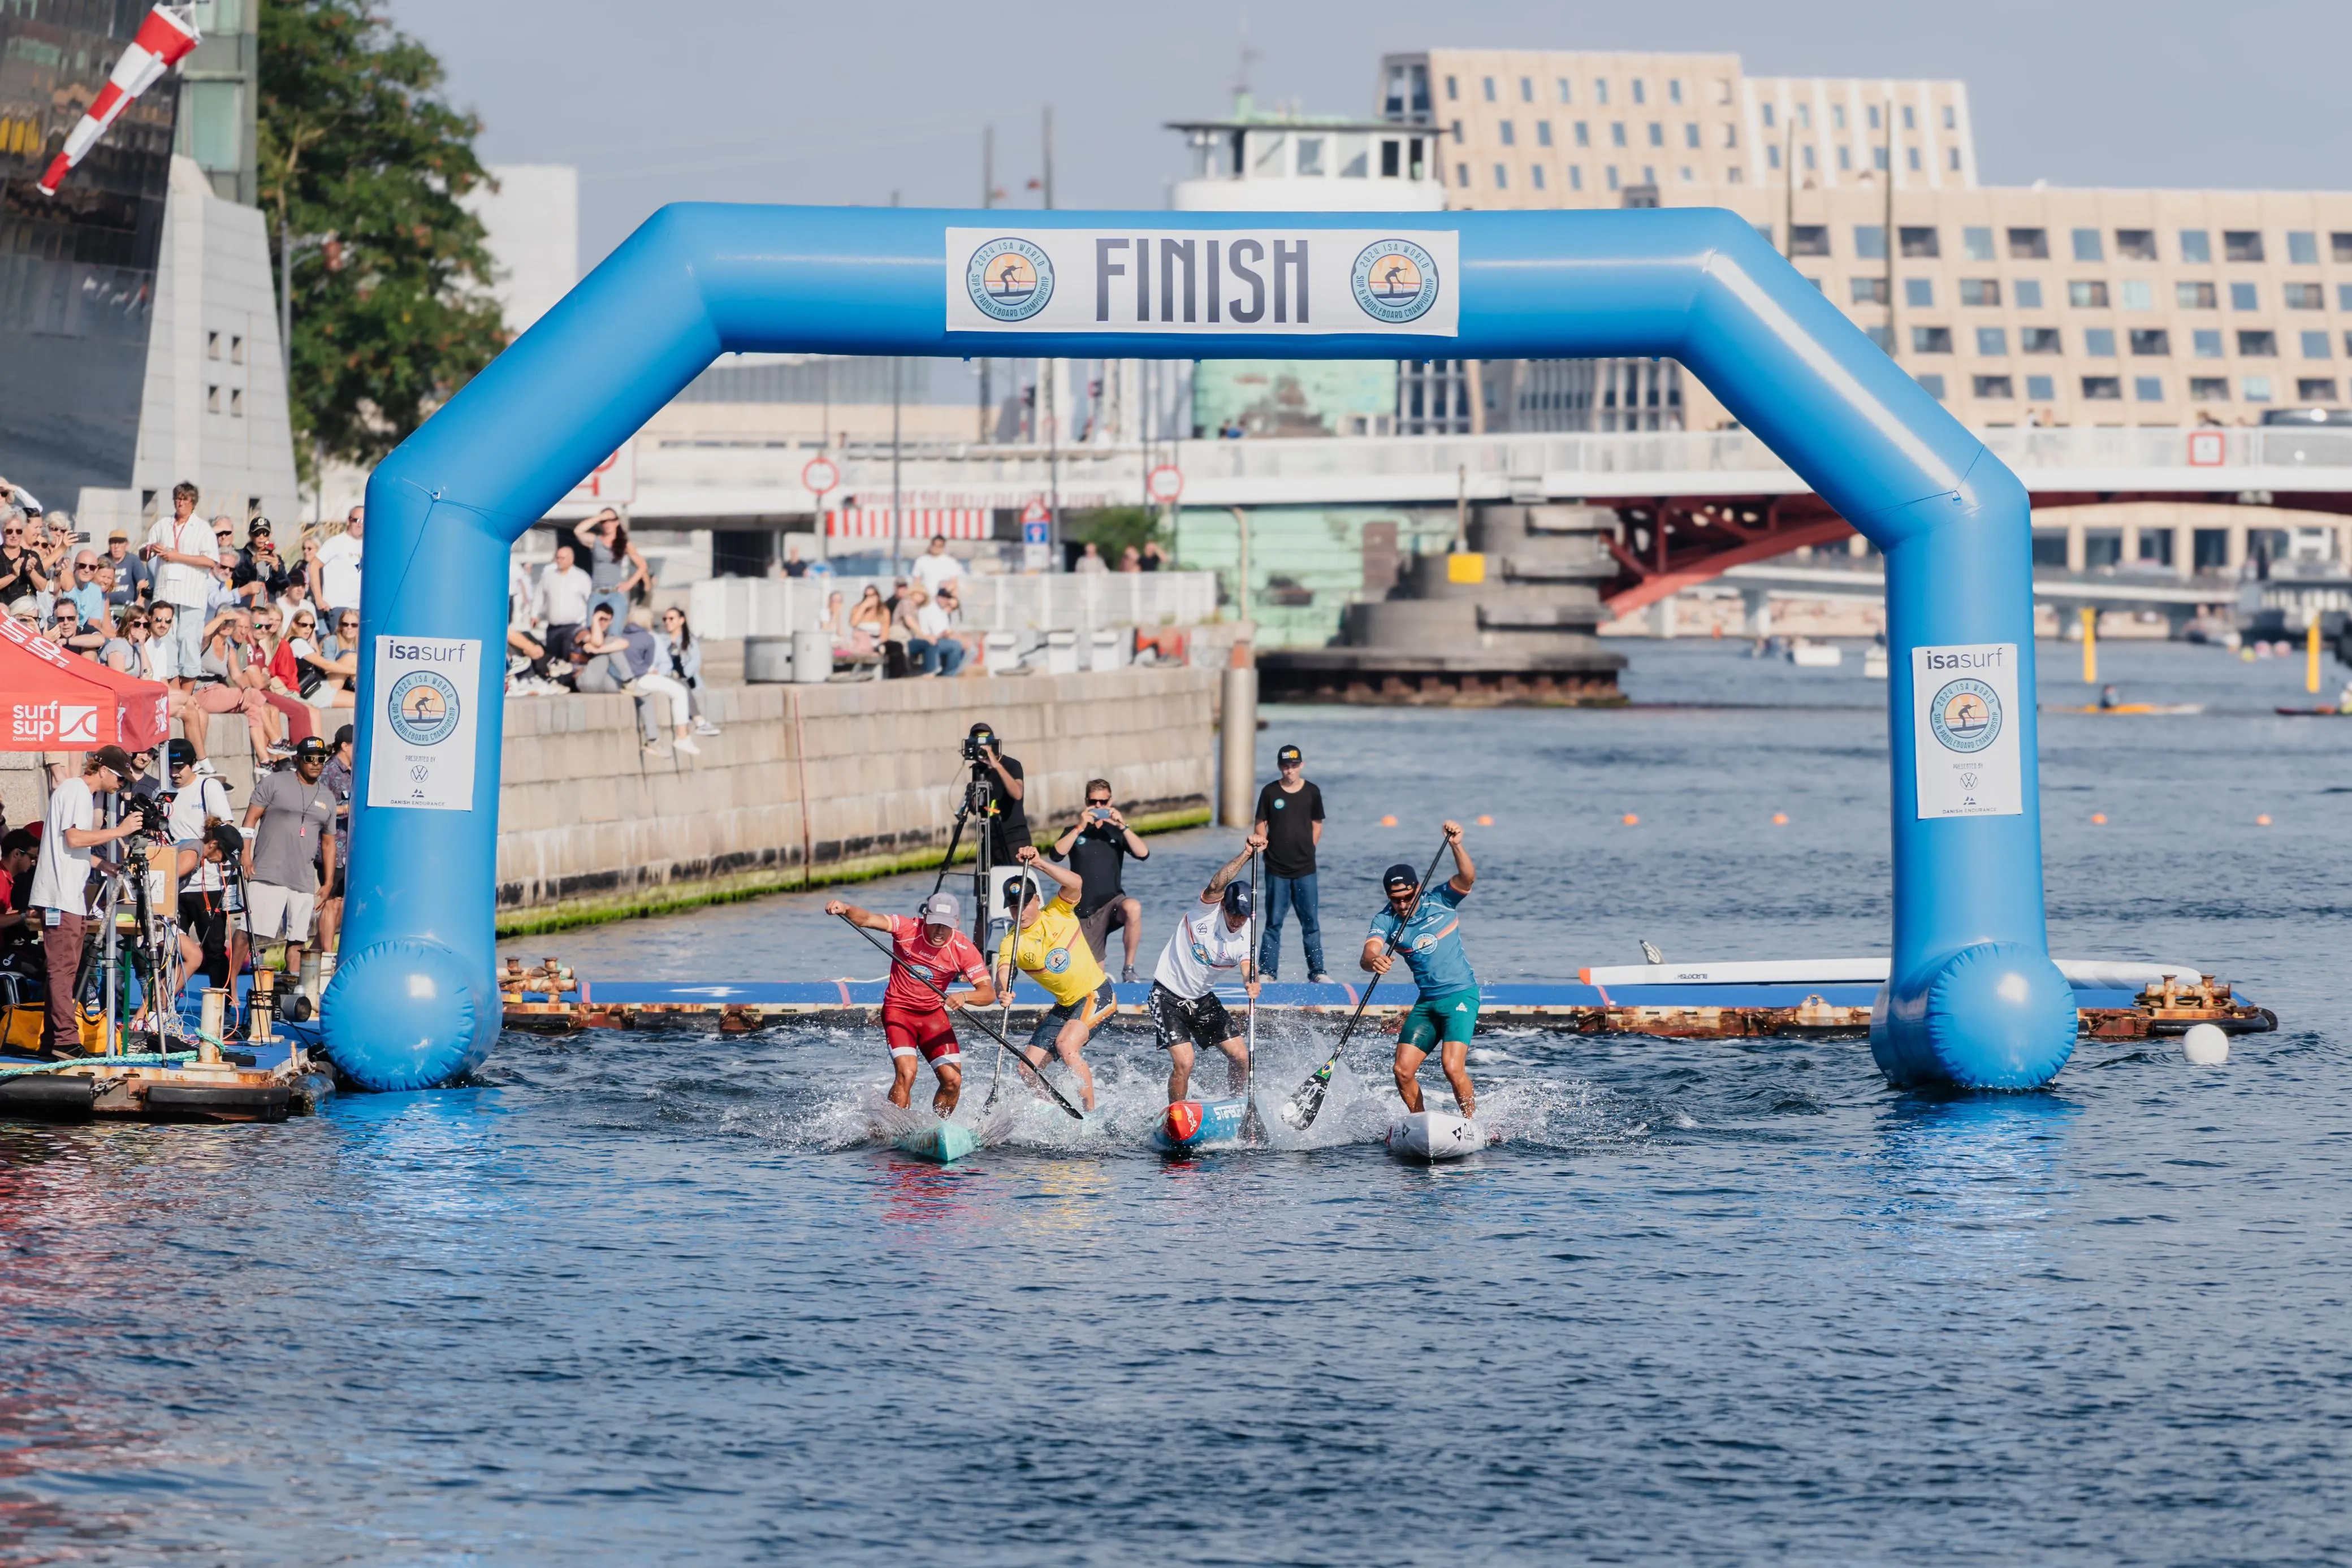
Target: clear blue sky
(752, 100)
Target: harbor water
(662, 1298)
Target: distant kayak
(2134, 709)
(2312, 713)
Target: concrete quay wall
(820, 783)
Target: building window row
(1976, 243)
(2144, 389)
(2130, 294)
(2100, 342)
(1559, 89)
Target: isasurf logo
(1396, 281)
(1010, 279)
(1965, 716)
(423, 708)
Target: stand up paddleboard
(1436, 1135)
(943, 1142)
(1190, 1124)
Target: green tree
(1112, 528)
(362, 163)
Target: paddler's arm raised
(1071, 882)
(1215, 892)
(856, 917)
(1465, 874)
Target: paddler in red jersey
(925, 947)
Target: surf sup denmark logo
(1010, 279)
(1396, 281)
(1965, 716)
(423, 708)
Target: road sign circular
(820, 475)
(1165, 481)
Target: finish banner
(422, 753)
(1964, 733)
(1205, 282)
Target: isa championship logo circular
(1396, 281)
(1009, 279)
(1058, 960)
(423, 708)
(1965, 716)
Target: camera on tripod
(150, 830)
(975, 749)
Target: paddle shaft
(979, 1023)
(1330, 1065)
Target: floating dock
(551, 998)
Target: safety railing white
(682, 479)
(1048, 602)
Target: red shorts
(928, 1035)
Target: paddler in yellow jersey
(1048, 946)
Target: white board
(1965, 728)
(421, 753)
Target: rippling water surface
(661, 1298)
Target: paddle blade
(1306, 1102)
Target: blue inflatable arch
(1974, 1001)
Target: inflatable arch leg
(1974, 1001)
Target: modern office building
(2035, 306)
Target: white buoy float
(2205, 1045)
(1436, 1135)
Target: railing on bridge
(686, 477)
(772, 607)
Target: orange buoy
(2098, 818)
(2262, 822)
(1486, 822)
(1780, 819)
(1388, 821)
(1632, 821)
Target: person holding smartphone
(1096, 847)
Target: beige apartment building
(2013, 305)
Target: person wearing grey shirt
(291, 820)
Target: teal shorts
(1449, 1016)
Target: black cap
(1288, 753)
(181, 754)
(1020, 890)
(1400, 875)
(309, 747)
(230, 841)
(982, 731)
(1238, 903)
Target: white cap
(941, 909)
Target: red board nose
(1183, 1121)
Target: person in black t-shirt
(1008, 823)
(1095, 846)
(1290, 816)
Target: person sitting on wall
(621, 659)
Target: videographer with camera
(1095, 846)
(1008, 824)
(61, 881)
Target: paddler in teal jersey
(1423, 925)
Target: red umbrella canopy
(52, 700)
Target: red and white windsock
(163, 40)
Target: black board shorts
(1203, 1020)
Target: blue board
(1221, 1122)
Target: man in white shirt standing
(184, 553)
(935, 569)
(562, 602)
(60, 899)
(338, 587)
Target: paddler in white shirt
(1214, 936)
